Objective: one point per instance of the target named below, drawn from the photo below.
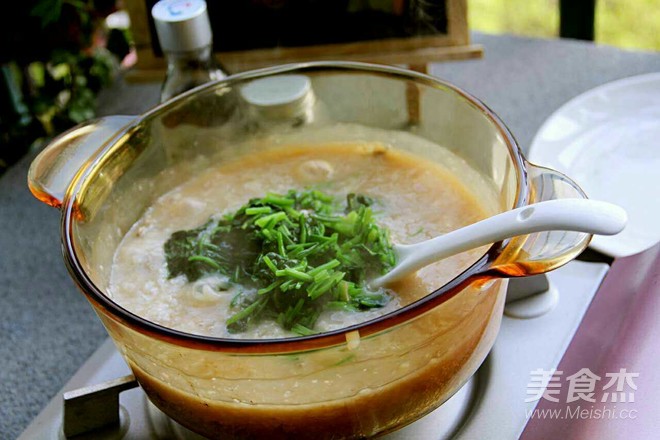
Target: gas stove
(540, 319)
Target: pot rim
(478, 270)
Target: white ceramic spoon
(580, 215)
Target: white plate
(608, 141)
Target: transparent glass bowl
(357, 382)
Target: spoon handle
(580, 215)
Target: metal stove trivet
(535, 332)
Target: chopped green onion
(292, 273)
(258, 210)
(278, 200)
(302, 330)
(269, 263)
(269, 221)
(245, 312)
(326, 266)
(269, 288)
(203, 259)
(293, 255)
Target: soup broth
(416, 200)
(352, 391)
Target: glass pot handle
(543, 251)
(56, 167)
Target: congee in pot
(327, 215)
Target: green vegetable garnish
(295, 254)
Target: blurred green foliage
(633, 24)
(50, 70)
(65, 87)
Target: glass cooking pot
(357, 382)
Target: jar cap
(182, 25)
(279, 97)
